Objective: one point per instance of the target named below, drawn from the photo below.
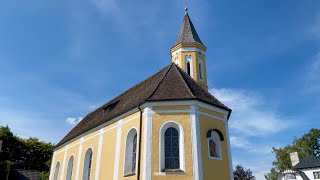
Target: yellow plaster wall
(108, 153)
(214, 169)
(171, 108)
(213, 113)
(184, 120)
(91, 140)
(219, 169)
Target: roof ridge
(184, 80)
(102, 106)
(159, 82)
(182, 71)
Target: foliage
(44, 175)
(306, 146)
(272, 175)
(25, 153)
(240, 173)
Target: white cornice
(188, 49)
(148, 104)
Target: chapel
(167, 127)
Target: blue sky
(60, 60)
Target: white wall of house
(309, 172)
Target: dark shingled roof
(170, 83)
(307, 162)
(187, 32)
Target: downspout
(140, 136)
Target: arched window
(70, 168)
(131, 153)
(56, 172)
(188, 63)
(87, 165)
(214, 143)
(171, 149)
(200, 70)
(171, 143)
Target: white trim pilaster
(196, 143)
(229, 149)
(52, 165)
(64, 161)
(99, 154)
(147, 144)
(117, 155)
(79, 159)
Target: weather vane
(186, 7)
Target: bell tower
(189, 53)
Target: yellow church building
(167, 127)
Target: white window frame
(86, 159)
(187, 59)
(216, 139)
(162, 131)
(125, 151)
(56, 171)
(70, 169)
(314, 174)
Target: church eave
(189, 44)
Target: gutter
(140, 137)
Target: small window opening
(188, 68)
(110, 107)
(200, 71)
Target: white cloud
(239, 142)
(243, 144)
(73, 120)
(250, 115)
(313, 76)
(93, 107)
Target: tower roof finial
(186, 8)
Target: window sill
(130, 174)
(170, 171)
(215, 158)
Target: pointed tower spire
(188, 33)
(189, 52)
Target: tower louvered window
(188, 68)
(172, 149)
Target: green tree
(306, 146)
(28, 153)
(240, 173)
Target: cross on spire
(186, 7)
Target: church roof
(307, 162)
(187, 32)
(170, 83)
